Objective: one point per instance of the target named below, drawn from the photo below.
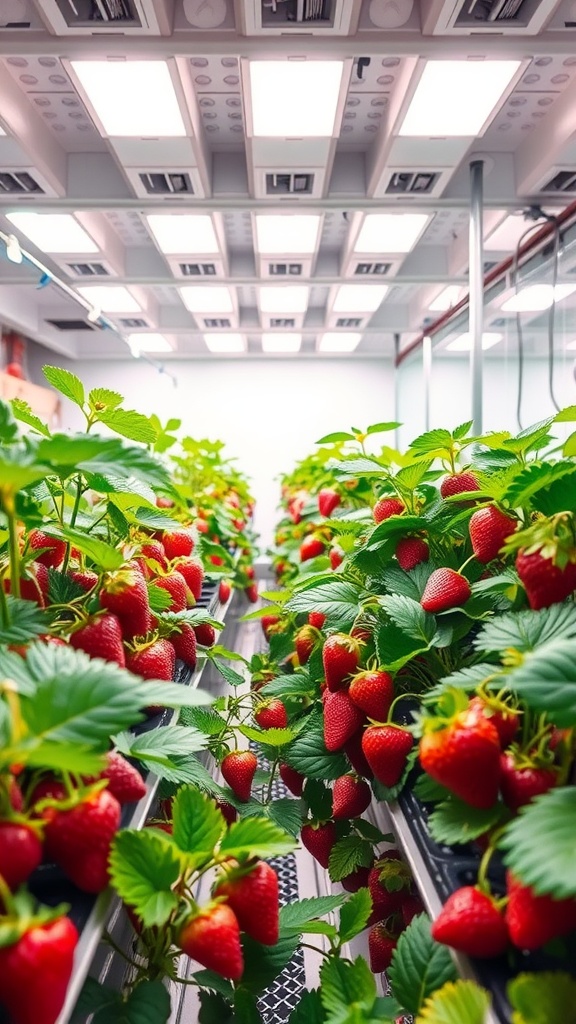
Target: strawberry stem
(483, 883)
(401, 696)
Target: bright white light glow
(131, 98)
(281, 342)
(390, 232)
(359, 298)
(2, 132)
(223, 343)
(202, 299)
(113, 298)
(287, 234)
(294, 99)
(463, 343)
(53, 232)
(446, 299)
(13, 250)
(456, 97)
(179, 233)
(149, 343)
(333, 342)
(284, 299)
(537, 297)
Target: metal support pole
(396, 388)
(427, 376)
(476, 273)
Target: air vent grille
(158, 184)
(285, 269)
(563, 181)
(197, 269)
(494, 10)
(217, 322)
(349, 321)
(19, 182)
(71, 325)
(88, 269)
(372, 269)
(289, 184)
(282, 321)
(133, 321)
(412, 182)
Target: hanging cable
(552, 312)
(519, 332)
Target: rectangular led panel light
(359, 298)
(281, 342)
(113, 298)
(287, 234)
(446, 299)
(332, 341)
(149, 343)
(203, 299)
(454, 98)
(131, 98)
(294, 98)
(506, 236)
(390, 232)
(284, 299)
(463, 342)
(191, 234)
(224, 343)
(53, 232)
(537, 297)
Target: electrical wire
(519, 331)
(552, 312)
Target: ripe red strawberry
(164, 502)
(386, 507)
(464, 755)
(311, 547)
(20, 852)
(101, 637)
(489, 527)
(336, 557)
(254, 900)
(411, 906)
(357, 879)
(411, 551)
(505, 719)
(319, 840)
(386, 748)
(212, 938)
(340, 657)
(85, 578)
(193, 572)
(224, 591)
(271, 714)
(544, 582)
(328, 500)
(40, 962)
(251, 592)
(125, 594)
(292, 779)
(184, 644)
(15, 795)
(304, 642)
(124, 780)
(79, 839)
(316, 619)
(152, 552)
(471, 923)
(205, 634)
(238, 769)
(178, 544)
(381, 945)
(266, 622)
(519, 784)
(356, 756)
(156, 661)
(341, 719)
(534, 920)
(201, 525)
(228, 812)
(175, 585)
(445, 589)
(34, 583)
(389, 882)
(458, 483)
(54, 556)
(350, 797)
(373, 692)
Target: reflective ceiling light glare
(390, 232)
(334, 342)
(203, 299)
(537, 297)
(112, 298)
(131, 98)
(359, 298)
(148, 343)
(456, 97)
(281, 342)
(184, 233)
(53, 232)
(292, 98)
(506, 236)
(224, 343)
(463, 342)
(446, 299)
(287, 234)
(284, 298)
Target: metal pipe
(476, 272)
(427, 375)
(396, 373)
(151, 204)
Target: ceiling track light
(13, 250)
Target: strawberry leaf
(23, 412)
(296, 916)
(206, 720)
(105, 397)
(158, 745)
(460, 1002)
(547, 998)
(98, 551)
(354, 915)
(410, 617)
(338, 600)
(215, 982)
(453, 821)
(262, 964)
(271, 737)
(256, 837)
(158, 598)
(436, 443)
(309, 1009)
(287, 814)
(27, 621)
(335, 437)
(143, 869)
(548, 865)
(465, 679)
(358, 466)
(298, 683)
(66, 383)
(197, 825)
(133, 425)
(152, 519)
(527, 630)
(546, 680)
(309, 756)
(419, 966)
(534, 478)
(345, 985)
(347, 854)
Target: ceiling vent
(285, 184)
(96, 17)
(504, 17)
(219, 322)
(282, 321)
(158, 183)
(19, 183)
(563, 181)
(285, 269)
(310, 17)
(349, 321)
(88, 269)
(133, 322)
(372, 269)
(412, 183)
(71, 325)
(198, 269)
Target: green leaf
(158, 598)
(335, 437)
(526, 630)
(256, 837)
(271, 737)
(395, 648)
(98, 551)
(64, 758)
(148, 1003)
(410, 617)
(206, 720)
(454, 821)
(546, 680)
(93, 998)
(262, 964)
(338, 600)
(534, 478)
(459, 1002)
(354, 914)
(118, 520)
(548, 865)
(9, 432)
(465, 679)
(295, 916)
(215, 982)
(347, 854)
(144, 867)
(232, 677)
(66, 383)
(245, 1007)
(198, 825)
(382, 428)
(428, 790)
(130, 424)
(287, 814)
(433, 442)
(214, 1009)
(152, 519)
(296, 684)
(308, 753)
(23, 412)
(27, 620)
(346, 987)
(410, 476)
(317, 797)
(419, 966)
(369, 831)
(308, 1009)
(358, 466)
(544, 998)
(105, 397)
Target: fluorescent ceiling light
(456, 97)
(506, 236)
(334, 342)
(178, 233)
(149, 343)
(446, 299)
(390, 232)
(359, 298)
(463, 342)
(112, 298)
(202, 299)
(53, 232)
(284, 299)
(287, 234)
(292, 98)
(225, 342)
(131, 98)
(537, 297)
(281, 342)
